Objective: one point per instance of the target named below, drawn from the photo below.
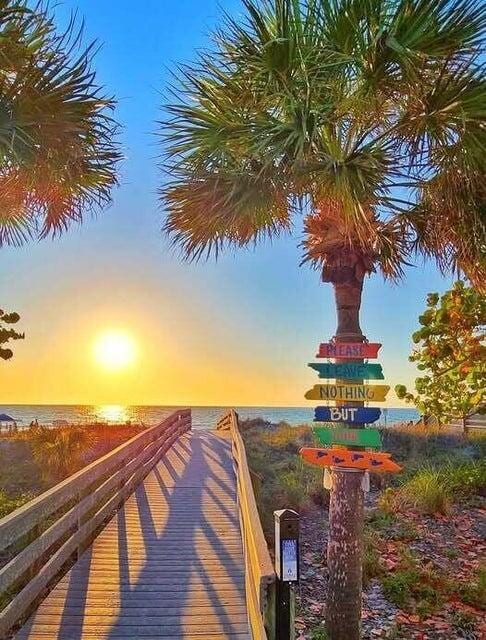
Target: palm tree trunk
(346, 514)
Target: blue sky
(237, 331)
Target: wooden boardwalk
(170, 564)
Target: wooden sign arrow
(348, 370)
(351, 392)
(338, 457)
(360, 437)
(360, 415)
(351, 350)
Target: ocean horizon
(203, 417)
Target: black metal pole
(285, 618)
(287, 570)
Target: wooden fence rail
(40, 537)
(259, 571)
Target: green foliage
(280, 478)
(452, 351)
(318, 634)
(58, 154)
(7, 333)
(363, 115)
(413, 590)
(431, 490)
(474, 592)
(59, 452)
(373, 546)
(8, 504)
(398, 587)
(380, 519)
(425, 493)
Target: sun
(114, 350)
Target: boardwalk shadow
(170, 563)
(192, 576)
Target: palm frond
(211, 210)
(58, 149)
(370, 111)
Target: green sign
(348, 370)
(357, 437)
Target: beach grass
(29, 458)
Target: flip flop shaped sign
(348, 370)
(350, 392)
(338, 457)
(348, 350)
(359, 415)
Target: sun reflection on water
(113, 413)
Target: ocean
(203, 417)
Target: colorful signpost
(340, 457)
(349, 398)
(359, 437)
(359, 415)
(351, 392)
(348, 370)
(351, 350)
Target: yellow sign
(349, 392)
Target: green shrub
(387, 500)
(477, 439)
(426, 493)
(466, 478)
(8, 504)
(292, 489)
(411, 590)
(397, 587)
(419, 443)
(474, 592)
(379, 519)
(404, 531)
(431, 489)
(280, 478)
(372, 547)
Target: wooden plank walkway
(169, 565)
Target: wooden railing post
(259, 573)
(60, 523)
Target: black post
(287, 570)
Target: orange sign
(340, 457)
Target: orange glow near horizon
(113, 413)
(160, 353)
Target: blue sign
(360, 415)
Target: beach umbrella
(6, 418)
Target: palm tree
(59, 452)
(58, 153)
(367, 118)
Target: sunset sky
(239, 331)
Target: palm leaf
(370, 112)
(58, 150)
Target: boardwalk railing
(474, 420)
(40, 538)
(259, 571)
